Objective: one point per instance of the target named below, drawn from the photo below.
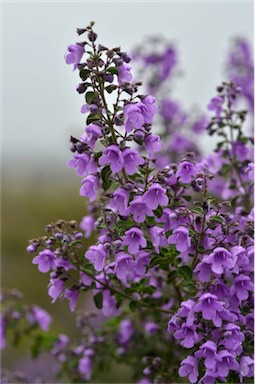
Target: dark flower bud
(117, 120)
(92, 36)
(106, 130)
(110, 53)
(108, 77)
(82, 88)
(118, 61)
(80, 31)
(126, 58)
(101, 48)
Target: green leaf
(88, 268)
(171, 276)
(158, 212)
(185, 272)
(133, 305)
(111, 88)
(84, 74)
(155, 260)
(98, 300)
(198, 211)
(90, 97)
(113, 70)
(225, 169)
(105, 175)
(93, 117)
(216, 218)
(187, 197)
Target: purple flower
(87, 225)
(138, 207)
(189, 367)
(86, 364)
(45, 260)
(124, 267)
(83, 163)
(72, 295)
(92, 133)
(97, 255)
(90, 186)
(56, 288)
(181, 238)
(148, 108)
(113, 156)
(134, 239)
(221, 259)
(155, 196)
(208, 351)
(152, 144)
(133, 117)
(216, 105)
(188, 334)
(233, 337)
(225, 362)
(42, 318)
(186, 171)
(131, 160)
(200, 124)
(250, 171)
(74, 55)
(240, 150)
(126, 332)
(210, 307)
(120, 201)
(124, 75)
(109, 304)
(151, 328)
(246, 367)
(158, 238)
(203, 270)
(2, 332)
(241, 285)
(142, 260)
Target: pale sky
(41, 107)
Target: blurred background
(41, 109)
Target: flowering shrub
(171, 272)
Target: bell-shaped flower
(134, 239)
(138, 207)
(133, 117)
(113, 156)
(189, 367)
(74, 55)
(119, 202)
(46, 260)
(125, 75)
(97, 255)
(158, 238)
(149, 108)
(90, 186)
(181, 238)
(155, 196)
(124, 267)
(221, 259)
(152, 144)
(131, 160)
(83, 163)
(72, 295)
(210, 307)
(186, 171)
(242, 284)
(92, 133)
(188, 334)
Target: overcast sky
(40, 105)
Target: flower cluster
(174, 234)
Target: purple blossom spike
(97, 255)
(181, 238)
(155, 196)
(90, 186)
(56, 288)
(134, 239)
(131, 160)
(113, 156)
(216, 105)
(45, 260)
(189, 367)
(74, 55)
